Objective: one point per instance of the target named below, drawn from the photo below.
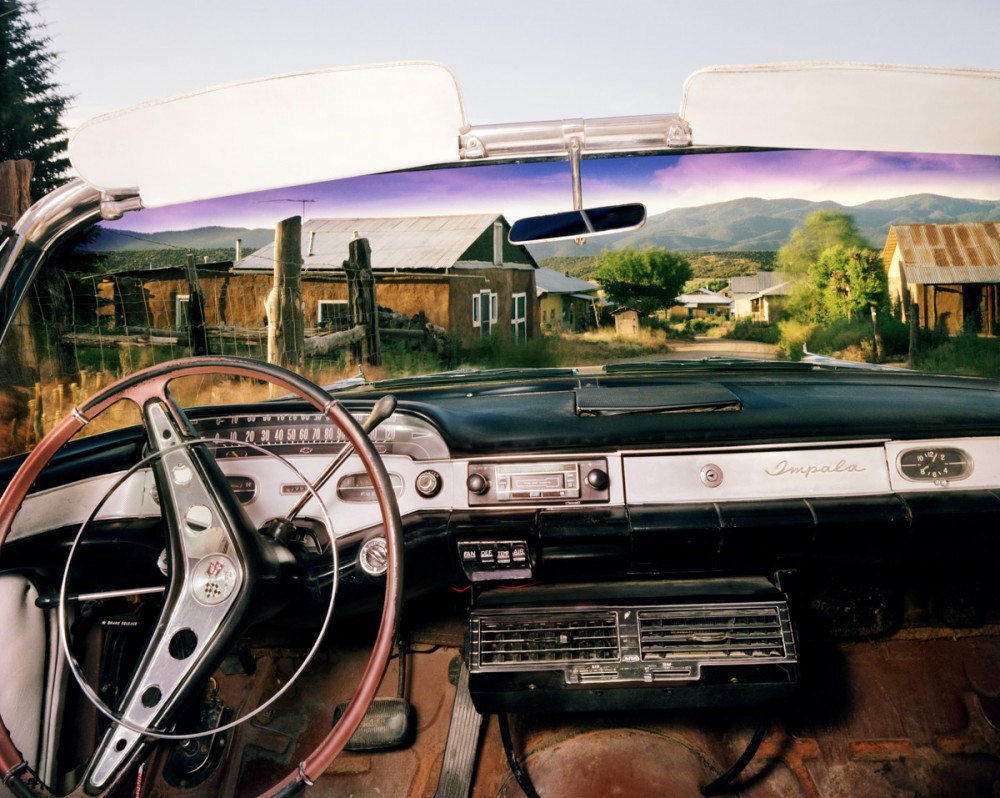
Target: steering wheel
(221, 569)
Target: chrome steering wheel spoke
(208, 577)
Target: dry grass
(26, 415)
(604, 346)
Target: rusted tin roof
(550, 281)
(405, 243)
(761, 282)
(945, 254)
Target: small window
(182, 314)
(484, 311)
(332, 313)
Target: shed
(945, 275)
(627, 320)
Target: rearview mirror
(578, 224)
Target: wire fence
(76, 335)
(118, 323)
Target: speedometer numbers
(934, 464)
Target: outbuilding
(945, 275)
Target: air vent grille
(549, 638)
(714, 634)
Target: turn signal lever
(281, 529)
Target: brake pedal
(462, 747)
(387, 724)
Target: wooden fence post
(19, 353)
(196, 309)
(285, 322)
(361, 302)
(15, 193)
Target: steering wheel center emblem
(214, 579)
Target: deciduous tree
(646, 279)
(818, 232)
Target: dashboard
(517, 478)
(679, 531)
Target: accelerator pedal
(463, 742)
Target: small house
(759, 296)
(566, 303)
(460, 271)
(702, 304)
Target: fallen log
(90, 339)
(219, 331)
(321, 344)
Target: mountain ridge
(745, 224)
(753, 223)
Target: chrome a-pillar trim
(43, 226)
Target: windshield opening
(877, 258)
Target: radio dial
(597, 479)
(478, 484)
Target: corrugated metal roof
(591, 298)
(743, 287)
(551, 281)
(411, 242)
(781, 289)
(946, 254)
(951, 275)
(702, 296)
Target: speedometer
(934, 464)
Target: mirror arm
(575, 151)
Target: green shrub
(838, 335)
(746, 329)
(792, 335)
(492, 351)
(965, 354)
(895, 336)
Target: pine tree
(30, 101)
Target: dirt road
(703, 346)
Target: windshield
(872, 258)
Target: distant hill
(107, 240)
(705, 266)
(758, 224)
(742, 225)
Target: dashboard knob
(598, 479)
(428, 483)
(478, 484)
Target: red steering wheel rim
(14, 771)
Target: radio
(538, 482)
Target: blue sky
(661, 182)
(516, 60)
(524, 60)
